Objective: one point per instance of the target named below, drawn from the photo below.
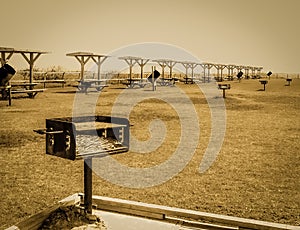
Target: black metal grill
(84, 137)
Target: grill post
(88, 185)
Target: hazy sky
(248, 32)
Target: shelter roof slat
(29, 51)
(80, 54)
(132, 58)
(86, 54)
(6, 49)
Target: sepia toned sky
(247, 32)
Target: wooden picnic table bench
(167, 81)
(84, 85)
(25, 85)
(31, 92)
(188, 80)
(135, 82)
(229, 78)
(21, 87)
(59, 81)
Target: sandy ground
(256, 174)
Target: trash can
(156, 75)
(6, 73)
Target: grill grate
(94, 145)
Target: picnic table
(85, 84)
(167, 81)
(59, 81)
(189, 80)
(131, 82)
(52, 78)
(30, 57)
(25, 87)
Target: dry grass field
(256, 174)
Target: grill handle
(44, 131)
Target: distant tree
(55, 69)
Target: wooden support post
(193, 66)
(253, 71)
(82, 64)
(162, 65)
(130, 72)
(3, 58)
(186, 73)
(81, 68)
(247, 72)
(230, 72)
(221, 74)
(219, 68)
(153, 80)
(99, 61)
(186, 66)
(131, 62)
(166, 62)
(99, 68)
(204, 71)
(31, 69)
(142, 63)
(9, 96)
(30, 61)
(84, 57)
(88, 186)
(207, 66)
(163, 71)
(257, 73)
(170, 64)
(142, 72)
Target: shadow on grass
(66, 92)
